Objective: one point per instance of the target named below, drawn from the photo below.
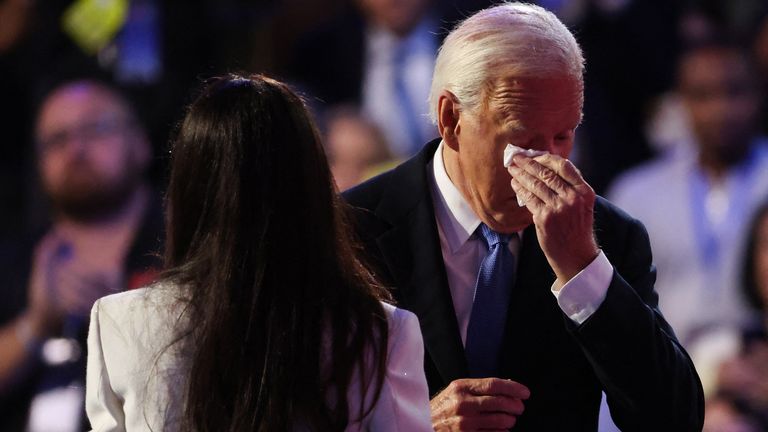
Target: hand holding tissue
(510, 151)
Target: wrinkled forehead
(515, 99)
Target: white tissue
(510, 151)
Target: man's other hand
(491, 404)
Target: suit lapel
(411, 251)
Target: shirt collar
(454, 214)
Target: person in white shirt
(697, 201)
(264, 318)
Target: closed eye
(565, 135)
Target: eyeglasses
(89, 132)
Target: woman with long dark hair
(265, 319)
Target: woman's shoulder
(403, 399)
(157, 294)
(145, 311)
(132, 337)
(403, 324)
(396, 315)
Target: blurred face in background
(723, 417)
(355, 146)
(92, 155)
(398, 16)
(719, 90)
(761, 259)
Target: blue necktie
(489, 307)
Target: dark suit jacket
(625, 348)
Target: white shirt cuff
(580, 297)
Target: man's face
(720, 93)
(533, 113)
(91, 156)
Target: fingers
(525, 197)
(535, 183)
(495, 387)
(562, 167)
(544, 180)
(490, 404)
(547, 180)
(41, 294)
(479, 404)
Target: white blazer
(135, 382)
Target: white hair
(509, 40)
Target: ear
(448, 118)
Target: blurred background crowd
(91, 90)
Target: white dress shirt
(463, 252)
(687, 214)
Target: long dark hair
(281, 311)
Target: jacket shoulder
(608, 213)
(369, 193)
(621, 236)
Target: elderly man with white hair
(533, 294)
